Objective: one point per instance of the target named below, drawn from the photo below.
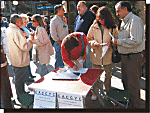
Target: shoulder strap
(83, 46)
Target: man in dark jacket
(82, 24)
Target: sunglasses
(33, 20)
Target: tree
(111, 7)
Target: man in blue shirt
(82, 24)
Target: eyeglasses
(33, 20)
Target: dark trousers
(20, 73)
(131, 65)
(5, 88)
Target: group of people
(83, 47)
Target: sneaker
(93, 97)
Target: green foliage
(111, 7)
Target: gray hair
(14, 18)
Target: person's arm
(53, 32)
(90, 39)
(21, 42)
(41, 37)
(136, 35)
(65, 57)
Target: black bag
(116, 57)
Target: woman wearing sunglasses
(73, 50)
(42, 44)
(98, 34)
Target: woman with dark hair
(73, 49)
(42, 44)
(98, 34)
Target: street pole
(10, 6)
(5, 8)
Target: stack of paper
(69, 73)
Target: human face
(81, 8)
(121, 13)
(25, 22)
(61, 11)
(34, 22)
(19, 22)
(102, 21)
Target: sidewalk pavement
(115, 83)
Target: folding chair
(26, 100)
(119, 96)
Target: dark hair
(94, 8)
(124, 4)
(71, 43)
(57, 7)
(14, 18)
(105, 14)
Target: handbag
(116, 57)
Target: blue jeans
(88, 63)
(59, 62)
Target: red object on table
(88, 78)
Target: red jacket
(74, 53)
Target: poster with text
(68, 100)
(44, 99)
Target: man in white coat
(18, 52)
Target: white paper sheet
(69, 100)
(111, 36)
(80, 70)
(104, 50)
(67, 74)
(44, 99)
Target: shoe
(93, 97)
(32, 76)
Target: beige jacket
(43, 45)
(95, 36)
(18, 46)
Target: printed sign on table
(44, 99)
(68, 100)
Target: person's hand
(84, 57)
(32, 34)
(59, 42)
(75, 68)
(114, 41)
(96, 44)
(65, 19)
(108, 44)
(25, 34)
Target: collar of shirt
(127, 17)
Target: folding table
(81, 86)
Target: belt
(131, 54)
